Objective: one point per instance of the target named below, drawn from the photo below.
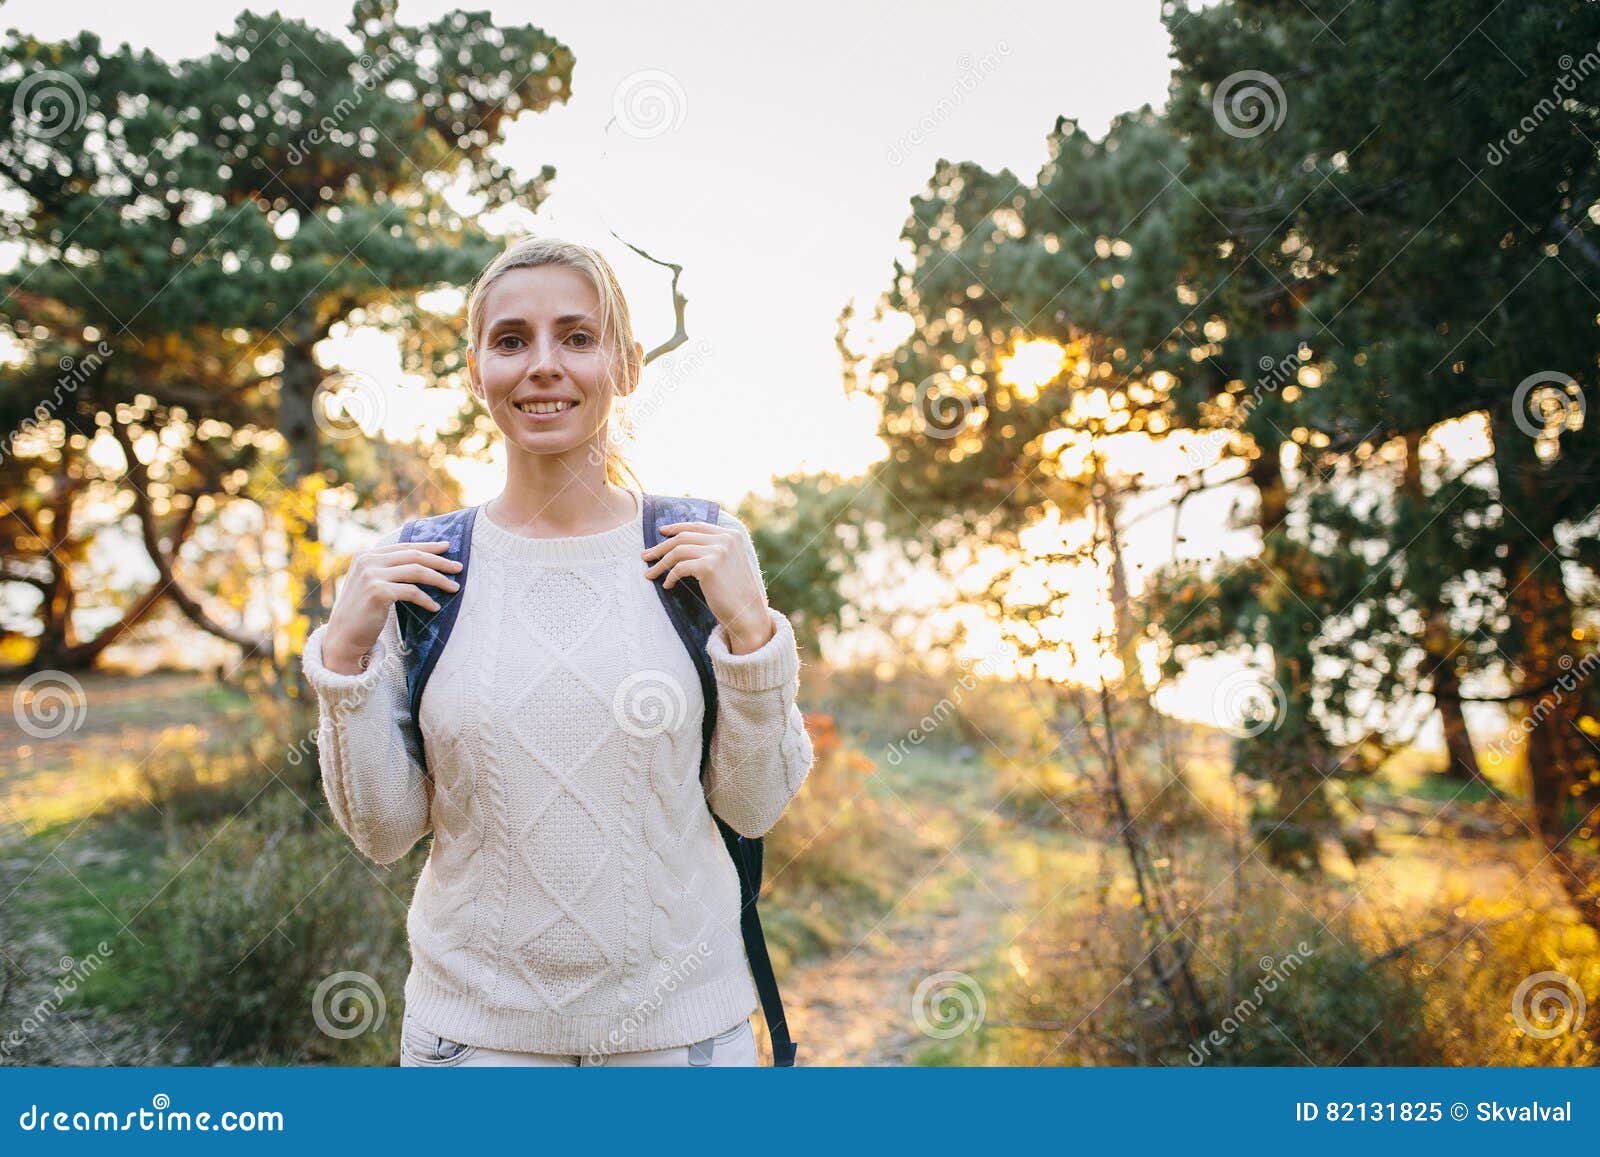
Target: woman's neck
(562, 515)
(538, 507)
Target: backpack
(423, 634)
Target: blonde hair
(616, 324)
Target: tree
(1396, 171)
(213, 221)
(806, 547)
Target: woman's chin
(552, 442)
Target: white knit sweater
(577, 897)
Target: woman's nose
(545, 357)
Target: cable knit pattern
(577, 896)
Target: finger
(689, 568)
(681, 537)
(407, 593)
(436, 545)
(416, 573)
(677, 553)
(423, 557)
(674, 527)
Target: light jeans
(421, 1047)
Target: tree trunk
(297, 422)
(58, 638)
(1461, 756)
(1438, 648)
(1121, 607)
(1562, 765)
(1292, 754)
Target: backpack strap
(423, 633)
(694, 622)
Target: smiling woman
(549, 721)
(537, 360)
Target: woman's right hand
(377, 579)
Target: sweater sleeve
(760, 749)
(372, 772)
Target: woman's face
(541, 343)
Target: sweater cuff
(335, 688)
(775, 663)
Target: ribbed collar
(497, 542)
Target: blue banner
(1315, 1110)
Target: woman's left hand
(716, 558)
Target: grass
(170, 828)
(87, 899)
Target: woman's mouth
(545, 411)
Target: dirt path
(857, 1006)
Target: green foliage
(1335, 1008)
(262, 909)
(190, 232)
(1071, 259)
(806, 536)
(1315, 282)
(289, 176)
(1423, 254)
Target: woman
(578, 905)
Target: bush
(262, 910)
(831, 857)
(1280, 990)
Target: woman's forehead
(544, 292)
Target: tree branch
(679, 304)
(138, 478)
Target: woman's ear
(621, 386)
(638, 357)
(472, 375)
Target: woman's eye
(588, 340)
(508, 337)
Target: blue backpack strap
(423, 633)
(694, 621)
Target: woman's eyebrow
(564, 319)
